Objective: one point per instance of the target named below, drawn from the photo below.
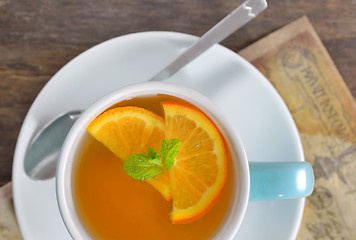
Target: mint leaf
(169, 151)
(153, 156)
(142, 166)
(145, 166)
(152, 153)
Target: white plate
(257, 111)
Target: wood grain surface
(38, 37)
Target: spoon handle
(235, 20)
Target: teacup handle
(280, 180)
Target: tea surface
(112, 205)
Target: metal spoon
(42, 152)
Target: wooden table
(38, 37)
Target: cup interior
(239, 165)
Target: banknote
(297, 64)
(9, 229)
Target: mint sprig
(145, 166)
(169, 151)
(141, 167)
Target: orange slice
(199, 173)
(129, 130)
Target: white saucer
(257, 111)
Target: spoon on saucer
(42, 152)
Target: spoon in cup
(42, 152)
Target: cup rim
(63, 181)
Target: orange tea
(113, 205)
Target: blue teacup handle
(280, 180)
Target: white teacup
(298, 176)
